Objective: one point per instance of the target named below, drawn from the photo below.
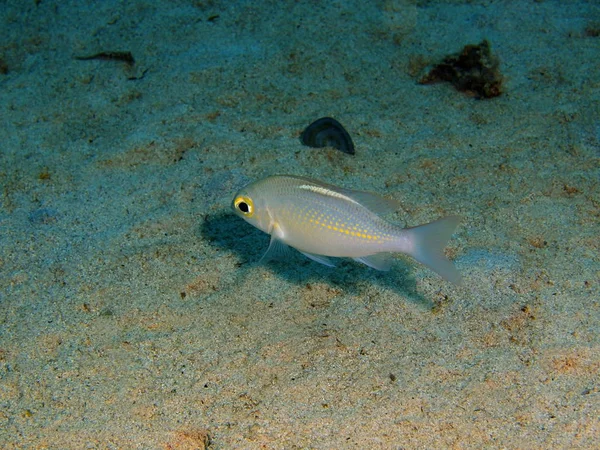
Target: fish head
(252, 207)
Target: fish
(323, 221)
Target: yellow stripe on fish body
(321, 221)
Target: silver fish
(323, 221)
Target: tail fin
(428, 242)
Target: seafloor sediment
(133, 310)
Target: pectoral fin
(280, 250)
(277, 250)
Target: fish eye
(244, 205)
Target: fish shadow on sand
(227, 232)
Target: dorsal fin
(373, 202)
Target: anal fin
(319, 258)
(379, 261)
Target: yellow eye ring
(245, 205)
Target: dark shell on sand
(327, 132)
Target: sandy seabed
(133, 310)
